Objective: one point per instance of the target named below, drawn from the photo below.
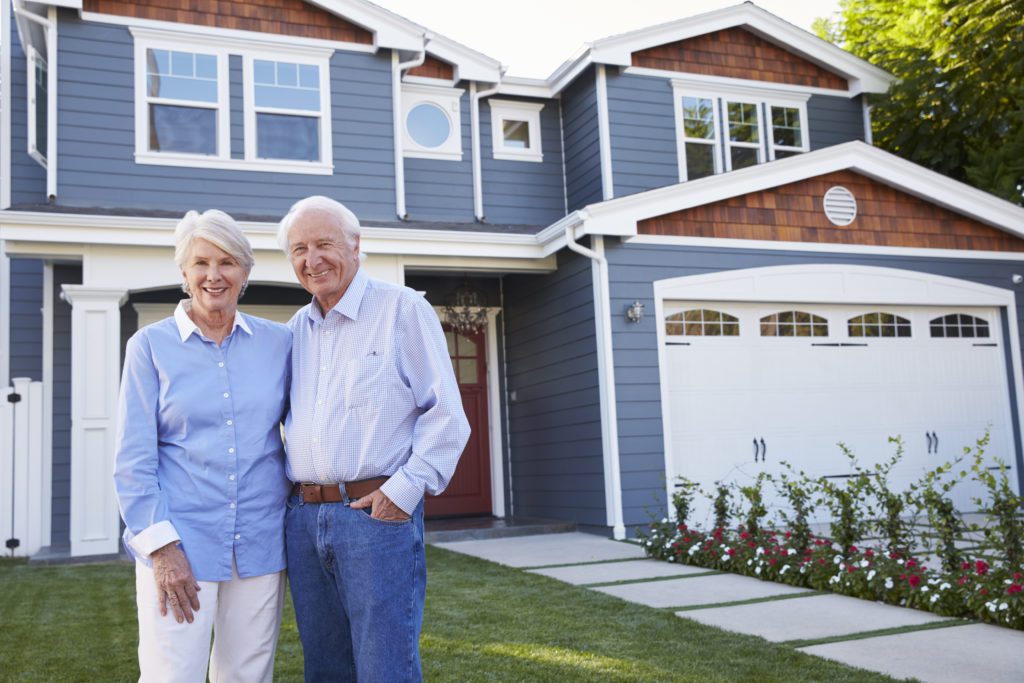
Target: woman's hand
(175, 583)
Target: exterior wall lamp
(635, 312)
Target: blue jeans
(358, 585)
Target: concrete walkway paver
(538, 551)
(703, 590)
(977, 652)
(617, 571)
(820, 616)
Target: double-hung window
(188, 113)
(726, 128)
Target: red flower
(914, 580)
(686, 539)
(1017, 576)
(751, 544)
(714, 554)
(853, 548)
(773, 561)
(744, 535)
(965, 565)
(732, 551)
(1014, 588)
(984, 591)
(962, 580)
(821, 561)
(808, 551)
(903, 577)
(850, 569)
(911, 564)
(894, 556)
(981, 566)
(869, 553)
(789, 534)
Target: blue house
(681, 251)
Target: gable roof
(620, 216)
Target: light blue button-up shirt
(373, 394)
(199, 454)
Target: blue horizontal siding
(97, 143)
(28, 178)
(524, 192)
(633, 268)
(26, 302)
(554, 424)
(442, 189)
(834, 120)
(582, 142)
(641, 119)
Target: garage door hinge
(13, 398)
(835, 344)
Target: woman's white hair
(220, 230)
(346, 220)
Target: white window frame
(801, 107)
(223, 49)
(723, 93)
(682, 140)
(503, 110)
(32, 59)
(449, 100)
(250, 110)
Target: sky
(532, 37)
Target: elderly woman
(200, 469)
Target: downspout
(604, 135)
(6, 106)
(474, 119)
(50, 26)
(397, 68)
(868, 138)
(606, 380)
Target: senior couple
(213, 509)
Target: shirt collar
(348, 306)
(186, 327)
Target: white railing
(24, 505)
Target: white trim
(475, 96)
(720, 83)
(747, 91)
(446, 99)
(604, 135)
(833, 284)
(429, 81)
(219, 35)
(526, 87)
(605, 380)
(32, 59)
(820, 247)
(6, 107)
(47, 463)
(5, 317)
(51, 105)
(469, 65)
(325, 165)
(869, 137)
(255, 165)
(512, 109)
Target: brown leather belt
(331, 493)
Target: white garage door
(752, 385)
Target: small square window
(515, 130)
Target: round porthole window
(428, 125)
(840, 206)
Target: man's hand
(382, 507)
(175, 583)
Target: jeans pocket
(367, 512)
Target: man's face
(324, 260)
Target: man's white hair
(346, 220)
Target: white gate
(24, 503)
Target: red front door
(469, 492)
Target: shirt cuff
(400, 492)
(153, 538)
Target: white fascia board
(70, 4)
(526, 87)
(620, 216)
(389, 29)
(23, 228)
(470, 65)
(864, 76)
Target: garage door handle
(764, 450)
(935, 438)
(756, 452)
(929, 437)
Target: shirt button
(226, 394)
(231, 477)
(323, 368)
(229, 423)
(220, 364)
(231, 450)
(316, 439)
(231, 505)
(319, 403)
(238, 536)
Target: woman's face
(214, 278)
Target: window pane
(698, 118)
(467, 347)
(786, 126)
(743, 157)
(171, 75)
(468, 371)
(309, 76)
(742, 122)
(279, 136)
(182, 129)
(782, 154)
(516, 134)
(428, 125)
(700, 161)
(731, 329)
(673, 328)
(286, 92)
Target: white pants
(243, 614)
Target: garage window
(701, 322)
(794, 324)
(957, 325)
(878, 325)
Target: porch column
(95, 374)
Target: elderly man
(376, 420)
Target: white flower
(1007, 582)
(991, 606)
(664, 520)
(750, 562)
(900, 561)
(888, 582)
(803, 570)
(760, 551)
(935, 598)
(758, 571)
(1003, 606)
(944, 586)
(784, 570)
(871, 574)
(842, 566)
(649, 543)
(864, 563)
(834, 579)
(791, 551)
(837, 559)
(925, 589)
(725, 558)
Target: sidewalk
(902, 643)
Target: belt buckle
(311, 493)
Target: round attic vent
(840, 205)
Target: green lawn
(483, 623)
